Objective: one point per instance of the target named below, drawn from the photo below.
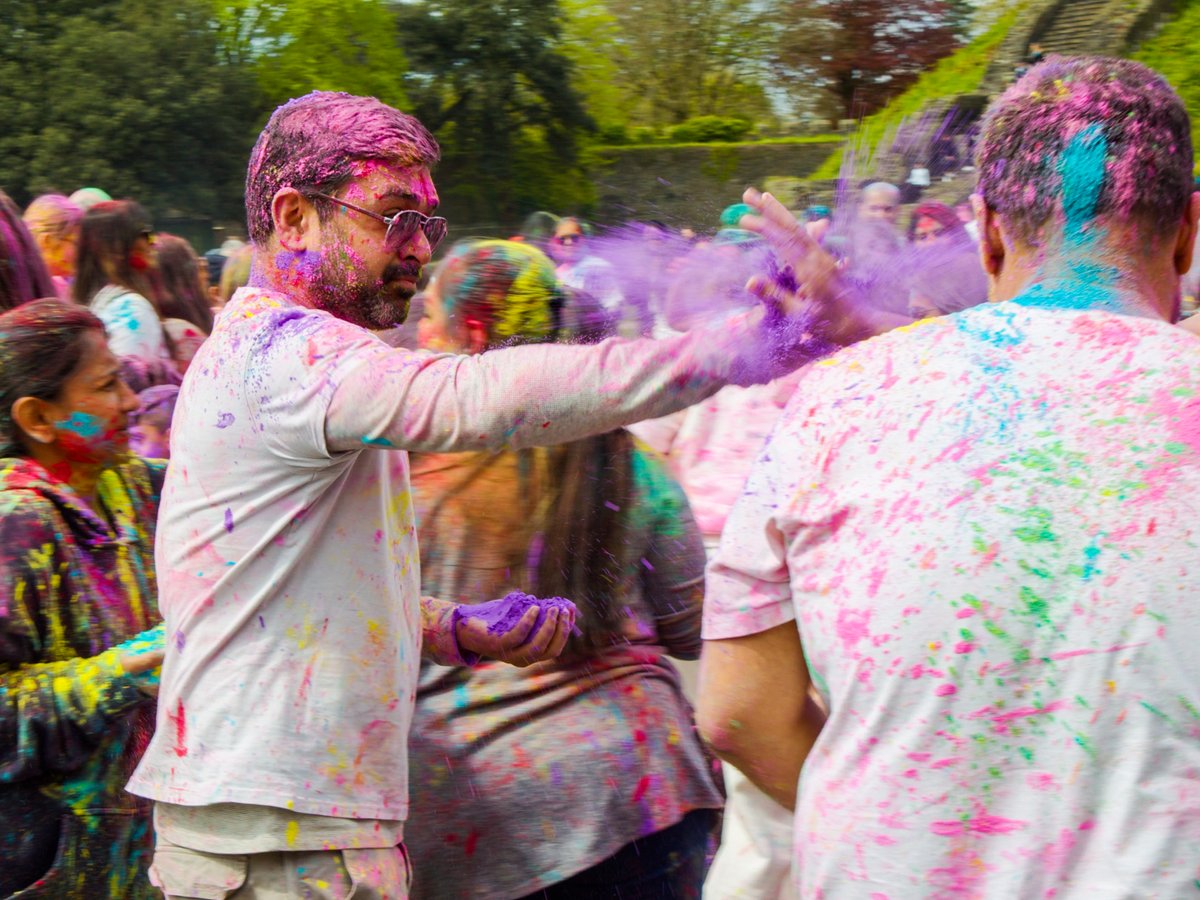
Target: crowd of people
(324, 575)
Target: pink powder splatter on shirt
(945, 690)
(979, 824)
(852, 626)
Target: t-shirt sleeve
(747, 586)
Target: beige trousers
(364, 874)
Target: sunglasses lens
(405, 224)
(435, 231)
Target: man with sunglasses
(287, 555)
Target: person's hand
(140, 664)
(520, 645)
(807, 274)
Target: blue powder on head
(1082, 170)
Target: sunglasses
(402, 226)
(568, 239)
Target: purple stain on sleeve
(180, 640)
(229, 520)
(224, 420)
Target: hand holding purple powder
(502, 615)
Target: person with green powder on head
(630, 799)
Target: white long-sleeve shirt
(287, 554)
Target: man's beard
(379, 304)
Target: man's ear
(33, 417)
(295, 219)
(991, 241)
(1186, 241)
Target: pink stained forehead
(377, 179)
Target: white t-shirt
(985, 527)
(287, 555)
(132, 323)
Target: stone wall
(689, 186)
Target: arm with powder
(52, 714)
(548, 394)
(754, 709)
(452, 636)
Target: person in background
(183, 304)
(214, 265)
(54, 222)
(116, 256)
(235, 274)
(580, 270)
(945, 274)
(87, 197)
(966, 215)
(629, 800)
(77, 524)
(23, 273)
(709, 448)
(150, 425)
(873, 251)
(976, 537)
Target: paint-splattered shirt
(75, 581)
(288, 552)
(985, 527)
(529, 776)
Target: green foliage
(127, 95)
(299, 46)
(1172, 52)
(643, 134)
(488, 78)
(960, 73)
(710, 129)
(658, 63)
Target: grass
(1172, 51)
(959, 73)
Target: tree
(298, 46)
(489, 79)
(864, 52)
(128, 95)
(666, 61)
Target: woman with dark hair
(581, 777)
(183, 299)
(23, 273)
(77, 517)
(116, 254)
